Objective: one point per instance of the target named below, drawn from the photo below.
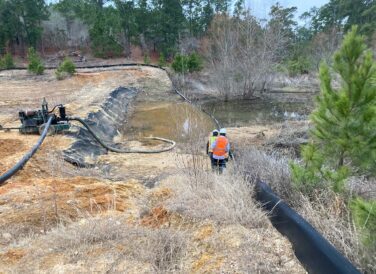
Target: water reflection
(182, 122)
(245, 113)
(177, 121)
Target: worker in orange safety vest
(221, 149)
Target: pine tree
(169, 22)
(35, 62)
(21, 20)
(192, 13)
(344, 122)
(207, 14)
(239, 8)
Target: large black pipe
(4, 177)
(102, 66)
(315, 253)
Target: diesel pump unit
(34, 121)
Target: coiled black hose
(113, 149)
(4, 177)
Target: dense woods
(172, 26)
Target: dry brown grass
(272, 169)
(291, 135)
(203, 194)
(241, 238)
(327, 211)
(235, 236)
(362, 186)
(106, 245)
(330, 215)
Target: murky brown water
(238, 113)
(180, 121)
(173, 120)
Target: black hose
(213, 118)
(27, 156)
(140, 65)
(53, 109)
(102, 66)
(204, 111)
(113, 149)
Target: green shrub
(194, 62)
(187, 63)
(180, 63)
(299, 65)
(147, 59)
(65, 69)
(68, 66)
(315, 174)
(162, 60)
(7, 61)
(364, 216)
(35, 63)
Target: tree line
(162, 24)
(113, 25)
(180, 26)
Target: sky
(260, 8)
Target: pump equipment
(34, 121)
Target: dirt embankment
(55, 218)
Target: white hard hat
(223, 131)
(216, 130)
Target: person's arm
(228, 147)
(207, 147)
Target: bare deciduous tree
(324, 44)
(243, 53)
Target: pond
(238, 113)
(173, 120)
(181, 121)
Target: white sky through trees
(261, 8)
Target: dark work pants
(220, 164)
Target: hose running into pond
(204, 111)
(114, 149)
(4, 177)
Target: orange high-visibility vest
(220, 147)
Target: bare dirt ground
(55, 218)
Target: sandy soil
(49, 192)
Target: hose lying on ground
(113, 149)
(27, 156)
